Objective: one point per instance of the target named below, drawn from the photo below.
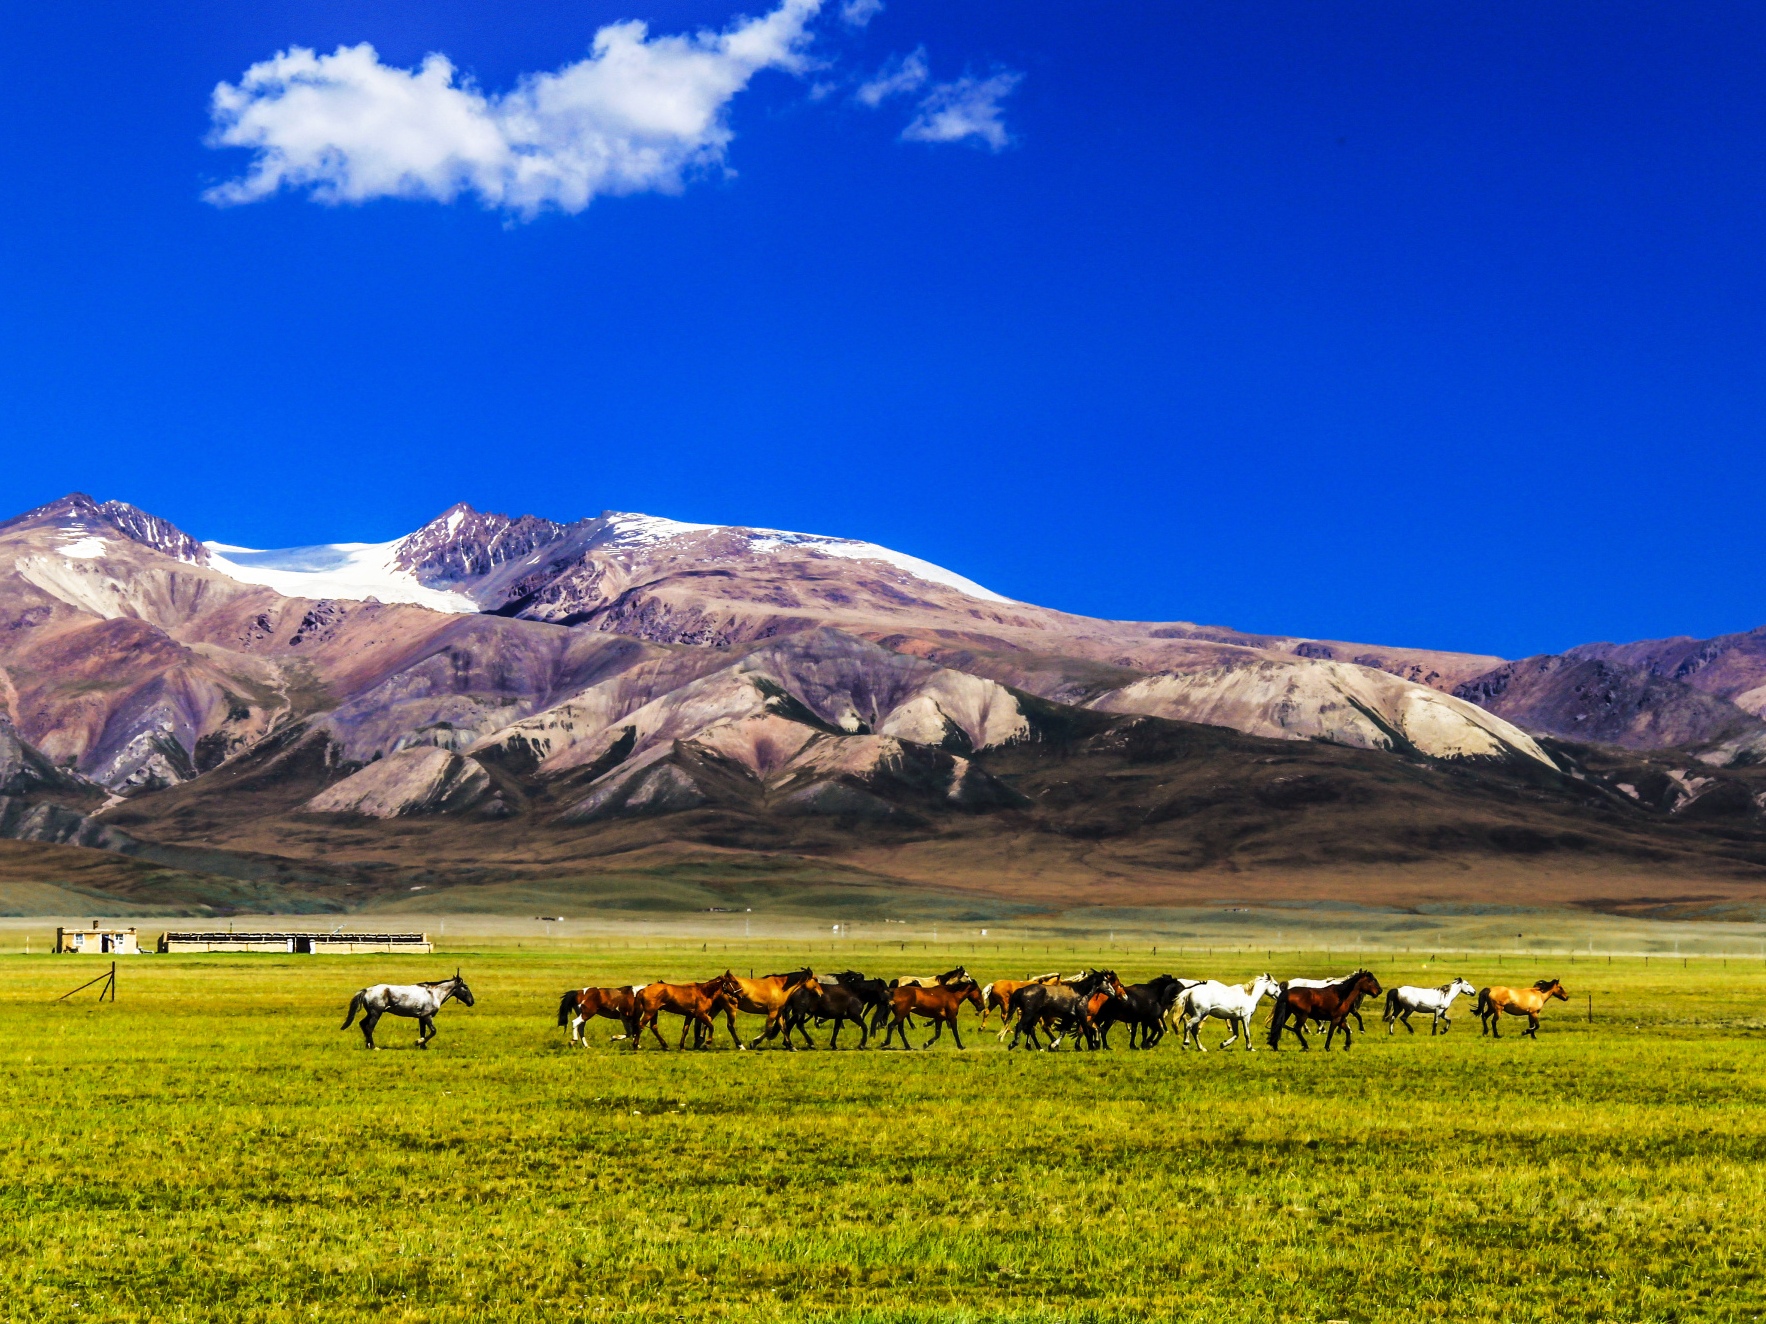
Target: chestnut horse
(767, 997)
(580, 1005)
(938, 1003)
(1331, 1006)
(1528, 1002)
(695, 1004)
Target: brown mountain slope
(1601, 701)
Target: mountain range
(492, 699)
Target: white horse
(421, 1001)
(1233, 1003)
(1401, 1002)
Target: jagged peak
(81, 511)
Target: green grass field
(211, 1146)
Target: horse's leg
(369, 1021)
(425, 1031)
(1348, 1038)
(1357, 1014)
(1532, 1030)
(937, 1031)
(953, 1028)
(1405, 1017)
(1298, 1029)
(652, 1018)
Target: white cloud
(860, 12)
(900, 74)
(965, 108)
(638, 114)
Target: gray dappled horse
(419, 1000)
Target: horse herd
(1083, 1008)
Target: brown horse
(1528, 1002)
(938, 1003)
(695, 1004)
(1333, 1005)
(767, 997)
(583, 1004)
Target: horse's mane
(1543, 984)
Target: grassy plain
(210, 1146)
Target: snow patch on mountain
(633, 530)
(82, 549)
(352, 571)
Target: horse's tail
(356, 1004)
(1391, 1004)
(566, 1006)
(1483, 1002)
(1278, 1019)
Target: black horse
(1143, 1008)
(1059, 1009)
(828, 1002)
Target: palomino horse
(1233, 1003)
(1058, 1009)
(695, 1004)
(1528, 1002)
(767, 997)
(1331, 1006)
(420, 1001)
(1407, 999)
(938, 1003)
(580, 1005)
(999, 995)
(957, 976)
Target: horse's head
(460, 990)
(1111, 985)
(1460, 985)
(1552, 989)
(1265, 986)
(1363, 981)
(957, 976)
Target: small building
(98, 941)
(299, 944)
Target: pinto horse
(580, 1005)
(1528, 1002)
(938, 1003)
(695, 1004)
(767, 997)
(419, 1001)
(1331, 1006)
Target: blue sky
(1401, 322)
